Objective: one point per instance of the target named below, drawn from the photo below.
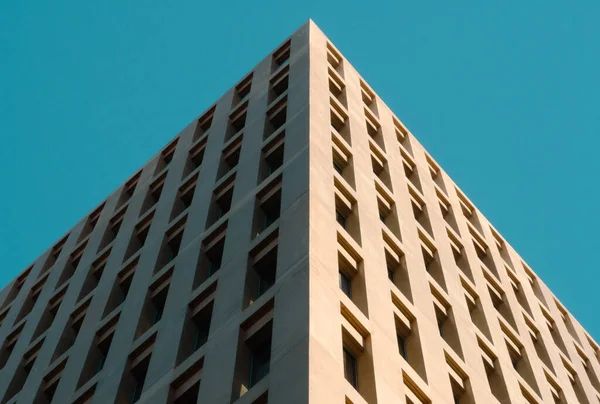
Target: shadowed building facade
(293, 244)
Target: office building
(293, 244)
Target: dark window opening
(196, 328)
(268, 207)
(204, 123)
(195, 158)
(282, 55)
(211, 256)
(276, 117)
(242, 90)
(171, 244)
(221, 201)
(272, 157)
(350, 368)
(346, 284)
(154, 193)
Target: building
(294, 244)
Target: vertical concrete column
(326, 378)
(289, 376)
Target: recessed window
(211, 255)
(154, 193)
(407, 338)
(411, 171)
(242, 90)
(261, 272)
(350, 368)
(346, 284)
(519, 292)
(72, 264)
(374, 129)
(260, 362)
(535, 285)
(268, 206)
(339, 119)
(346, 211)
(334, 58)
(94, 275)
(98, 353)
(185, 195)
(237, 120)
(387, 211)
(432, 262)
(500, 302)
(128, 189)
(380, 167)
(196, 327)
(204, 123)
(494, 376)
(340, 218)
(447, 211)
(396, 268)
(460, 257)
(469, 211)
(282, 55)
(166, 156)
(9, 344)
(276, 116)
(278, 84)
(337, 87)
(436, 173)
(15, 289)
(139, 235)
(171, 244)
(221, 201)
(446, 322)
(539, 345)
(71, 330)
(154, 304)
(121, 287)
(50, 382)
(134, 379)
(195, 158)
(53, 256)
(484, 255)
(229, 158)
(401, 340)
(253, 361)
(368, 97)
(420, 212)
(403, 137)
(271, 157)
(91, 223)
(186, 387)
(112, 230)
(17, 381)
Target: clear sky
(503, 94)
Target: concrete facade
(293, 244)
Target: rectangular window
(402, 346)
(260, 362)
(242, 90)
(282, 55)
(204, 123)
(346, 284)
(350, 368)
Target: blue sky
(503, 94)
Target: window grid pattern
(439, 301)
(470, 308)
(161, 245)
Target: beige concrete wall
(381, 367)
